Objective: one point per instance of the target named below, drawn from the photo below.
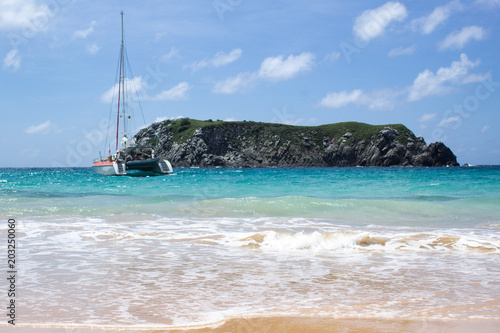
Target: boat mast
(121, 86)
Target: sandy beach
(294, 325)
(320, 325)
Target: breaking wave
(341, 240)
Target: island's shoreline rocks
(193, 143)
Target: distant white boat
(130, 160)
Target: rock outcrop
(188, 142)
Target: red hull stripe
(105, 163)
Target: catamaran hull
(152, 167)
(107, 168)
(145, 165)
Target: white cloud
(220, 59)
(428, 23)
(235, 84)
(173, 53)
(272, 69)
(340, 99)
(450, 121)
(332, 57)
(160, 119)
(376, 100)
(179, 92)
(485, 128)
(427, 117)
(283, 117)
(43, 128)
(399, 51)
(136, 86)
(132, 87)
(476, 77)
(457, 40)
(93, 48)
(23, 14)
(30, 152)
(86, 32)
(428, 83)
(12, 60)
(487, 3)
(384, 99)
(372, 23)
(277, 69)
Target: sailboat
(130, 160)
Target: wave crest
(366, 241)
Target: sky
(430, 65)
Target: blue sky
(430, 65)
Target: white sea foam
(150, 269)
(367, 241)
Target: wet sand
(292, 325)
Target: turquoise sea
(203, 245)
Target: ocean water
(203, 245)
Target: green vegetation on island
(192, 142)
(184, 128)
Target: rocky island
(196, 143)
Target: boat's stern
(164, 167)
(109, 168)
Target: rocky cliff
(189, 142)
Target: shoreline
(289, 324)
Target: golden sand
(293, 325)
